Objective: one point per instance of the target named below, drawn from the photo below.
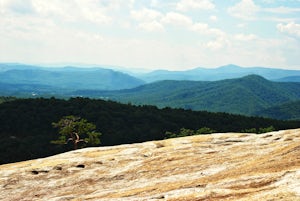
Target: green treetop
(78, 130)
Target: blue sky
(152, 34)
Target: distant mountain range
(248, 95)
(109, 79)
(228, 88)
(64, 79)
(220, 73)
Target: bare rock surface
(230, 166)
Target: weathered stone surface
(208, 167)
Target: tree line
(26, 129)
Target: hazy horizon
(151, 34)
(132, 69)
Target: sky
(152, 34)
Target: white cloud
(291, 28)
(248, 10)
(282, 10)
(203, 28)
(185, 5)
(245, 9)
(215, 45)
(148, 19)
(213, 18)
(77, 10)
(280, 19)
(177, 19)
(154, 3)
(220, 39)
(145, 15)
(109, 32)
(267, 52)
(241, 25)
(153, 26)
(268, 1)
(94, 13)
(200, 27)
(245, 37)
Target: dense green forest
(247, 95)
(26, 124)
(290, 110)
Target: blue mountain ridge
(245, 95)
(220, 73)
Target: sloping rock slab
(231, 166)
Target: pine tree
(77, 130)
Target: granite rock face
(231, 166)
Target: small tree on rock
(78, 130)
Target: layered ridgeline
(26, 124)
(220, 73)
(250, 95)
(289, 79)
(18, 80)
(28, 80)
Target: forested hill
(290, 110)
(26, 124)
(246, 95)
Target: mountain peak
(229, 67)
(254, 77)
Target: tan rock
(228, 166)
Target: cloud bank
(175, 34)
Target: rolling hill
(220, 73)
(245, 95)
